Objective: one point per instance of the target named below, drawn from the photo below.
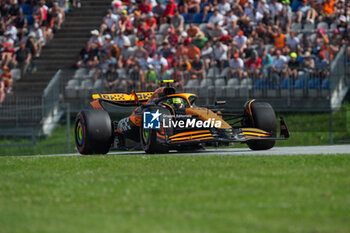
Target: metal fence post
(68, 128)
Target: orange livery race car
(164, 120)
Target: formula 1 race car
(164, 120)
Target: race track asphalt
(276, 151)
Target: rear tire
(93, 132)
(264, 118)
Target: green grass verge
(305, 129)
(175, 194)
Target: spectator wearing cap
(342, 26)
(215, 18)
(12, 30)
(220, 53)
(172, 38)
(110, 23)
(8, 39)
(22, 58)
(151, 21)
(140, 52)
(321, 41)
(279, 66)
(177, 21)
(308, 64)
(241, 40)
(236, 65)
(197, 67)
(249, 9)
(124, 23)
(293, 66)
(127, 53)
(95, 37)
(107, 42)
(321, 66)
(39, 38)
(200, 40)
(254, 65)
(31, 45)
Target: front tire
(263, 117)
(93, 132)
(150, 141)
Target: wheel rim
(79, 134)
(145, 135)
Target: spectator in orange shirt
(279, 38)
(193, 51)
(328, 7)
(181, 51)
(192, 30)
(8, 81)
(151, 21)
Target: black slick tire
(264, 118)
(93, 132)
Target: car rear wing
(120, 99)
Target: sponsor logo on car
(153, 120)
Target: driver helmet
(177, 103)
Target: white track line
(297, 150)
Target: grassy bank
(305, 128)
(175, 194)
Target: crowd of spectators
(25, 27)
(153, 40)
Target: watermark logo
(151, 120)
